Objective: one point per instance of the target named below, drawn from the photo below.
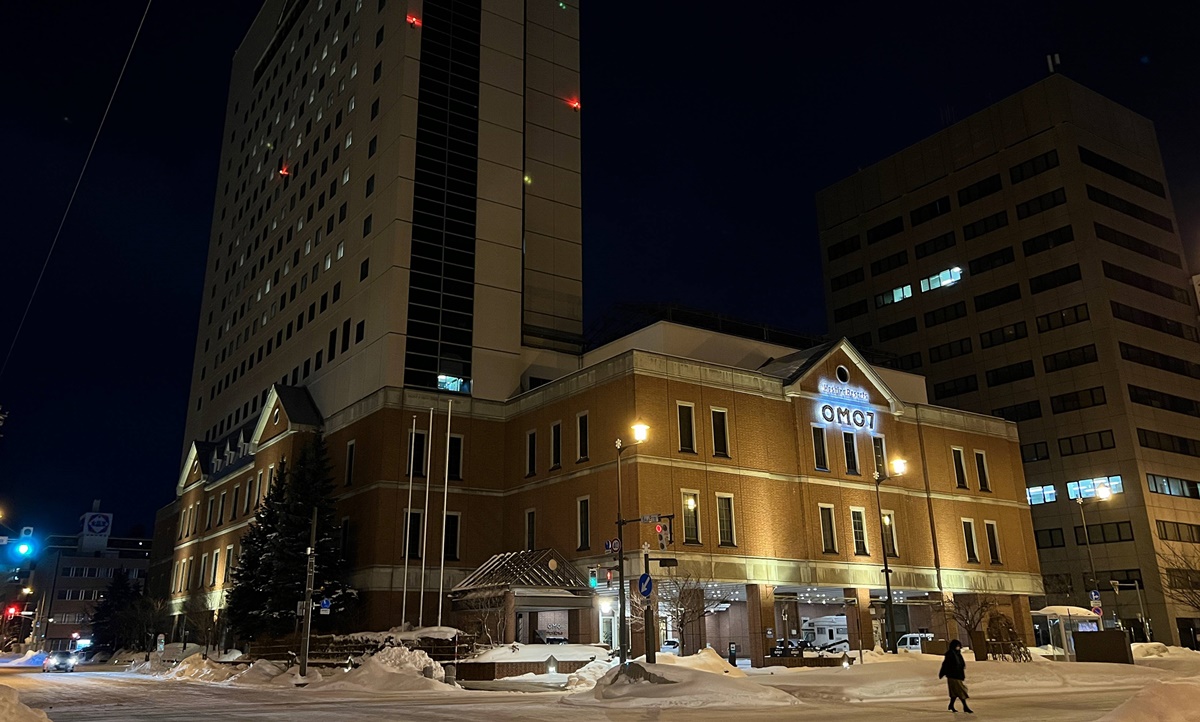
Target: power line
(78, 182)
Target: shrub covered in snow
(586, 676)
(674, 685)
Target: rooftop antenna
(1052, 62)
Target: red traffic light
(11, 611)
(659, 528)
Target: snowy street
(121, 697)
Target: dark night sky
(708, 129)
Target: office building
(1027, 261)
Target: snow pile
(405, 634)
(198, 669)
(394, 669)
(1159, 702)
(260, 673)
(706, 660)
(1142, 650)
(586, 676)
(154, 666)
(518, 652)
(1181, 660)
(28, 659)
(291, 677)
(673, 685)
(229, 655)
(11, 709)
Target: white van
(829, 634)
(912, 642)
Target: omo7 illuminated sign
(835, 411)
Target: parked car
(912, 642)
(669, 646)
(61, 659)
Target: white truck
(827, 634)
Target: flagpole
(445, 503)
(425, 514)
(412, 446)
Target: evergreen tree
(106, 622)
(270, 576)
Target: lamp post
(640, 432)
(898, 468)
(1103, 493)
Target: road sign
(1099, 612)
(650, 518)
(325, 606)
(645, 585)
(613, 546)
(1094, 595)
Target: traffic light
(592, 582)
(608, 575)
(25, 544)
(663, 536)
(11, 612)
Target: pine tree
(247, 601)
(106, 627)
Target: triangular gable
(819, 377)
(296, 412)
(195, 467)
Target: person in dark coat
(954, 669)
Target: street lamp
(899, 466)
(1103, 493)
(640, 433)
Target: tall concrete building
(1027, 261)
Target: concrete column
(944, 623)
(1021, 618)
(859, 619)
(531, 623)
(694, 634)
(510, 618)
(583, 626)
(760, 616)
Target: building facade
(1027, 262)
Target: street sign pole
(648, 610)
(308, 593)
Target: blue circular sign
(645, 585)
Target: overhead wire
(79, 181)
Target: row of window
(1085, 488)
(1104, 533)
(206, 575)
(256, 490)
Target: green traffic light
(23, 549)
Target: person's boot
(967, 709)
(951, 707)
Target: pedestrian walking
(954, 669)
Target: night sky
(708, 129)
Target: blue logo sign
(98, 524)
(325, 604)
(645, 585)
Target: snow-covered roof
(1066, 611)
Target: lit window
(1041, 495)
(340, 252)
(1087, 488)
(350, 106)
(893, 296)
(353, 70)
(345, 176)
(948, 277)
(453, 383)
(349, 138)
(328, 261)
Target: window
(1020, 412)
(581, 435)
(1041, 495)
(968, 526)
(991, 261)
(1063, 317)
(349, 463)
(1137, 245)
(946, 351)
(845, 280)
(960, 467)
(948, 277)
(1076, 400)
(450, 548)
(1034, 166)
(1046, 241)
(691, 517)
(820, 455)
(366, 228)
(1042, 203)
(981, 189)
(929, 211)
(415, 534)
(993, 541)
(1003, 335)
(897, 329)
(530, 529)
(1130, 209)
(850, 310)
(844, 248)
(955, 387)
(1086, 443)
(981, 471)
(934, 245)
(1010, 373)
(848, 441)
(1049, 538)
(530, 454)
(945, 314)
(725, 536)
(880, 456)
(1170, 531)
(233, 508)
(720, 432)
(1037, 451)
(363, 269)
(1106, 533)
(885, 230)
(889, 263)
(889, 533)
(1121, 172)
(216, 563)
(893, 296)
(1054, 279)
(583, 523)
(1086, 488)
(1070, 358)
(858, 525)
(687, 431)
(998, 297)
(416, 460)
(1173, 486)
(455, 468)
(209, 518)
(1154, 321)
(1124, 275)
(221, 510)
(1158, 360)
(202, 579)
(556, 445)
(828, 530)
(985, 225)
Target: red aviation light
(574, 103)
(414, 21)
(283, 171)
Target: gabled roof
(535, 569)
(301, 410)
(795, 368)
(792, 367)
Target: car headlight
(73, 660)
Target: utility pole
(308, 593)
(648, 616)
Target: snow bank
(229, 655)
(28, 659)
(197, 669)
(706, 660)
(518, 652)
(260, 673)
(11, 709)
(394, 669)
(586, 676)
(678, 686)
(405, 634)
(1159, 702)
